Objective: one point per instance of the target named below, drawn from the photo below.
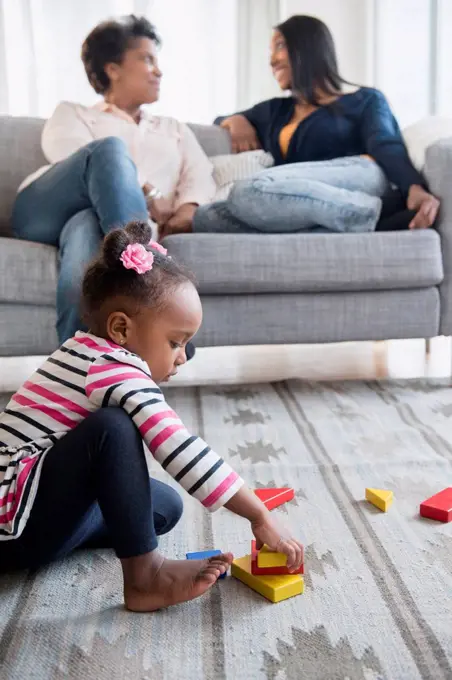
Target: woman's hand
(180, 222)
(243, 134)
(267, 530)
(160, 209)
(425, 204)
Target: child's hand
(268, 530)
(266, 527)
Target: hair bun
(117, 241)
(139, 232)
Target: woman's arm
(196, 184)
(384, 142)
(64, 133)
(243, 134)
(249, 129)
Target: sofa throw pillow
(229, 168)
(419, 136)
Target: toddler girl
(72, 467)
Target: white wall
(198, 57)
(404, 69)
(40, 63)
(443, 93)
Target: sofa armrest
(438, 173)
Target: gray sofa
(315, 288)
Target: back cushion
(20, 155)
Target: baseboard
(239, 365)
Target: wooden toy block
(270, 558)
(381, 498)
(204, 555)
(439, 506)
(274, 588)
(272, 498)
(269, 571)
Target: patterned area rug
(378, 599)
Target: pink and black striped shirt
(85, 374)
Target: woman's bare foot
(152, 582)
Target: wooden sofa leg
(428, 347)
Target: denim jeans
(94, 492)
(73, 206)
(342, 195)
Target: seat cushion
(309, 263)
(247, 264)
(28, 272)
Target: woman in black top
(336, 155)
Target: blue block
(203, 555)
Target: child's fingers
(294, 554)
(285, 532)
(288, 549)
(298, 554)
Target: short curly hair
(108, 42)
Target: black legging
(394, 215)
(94, 491)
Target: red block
(439, 506)
(274, 497)
(269, 571)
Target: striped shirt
(85, 374)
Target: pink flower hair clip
(158, 247)
(136, 257)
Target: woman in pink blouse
(111, 163)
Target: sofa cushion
(21, 154)
(230, 168)
(212, 139)
(28, 272)
(250, 263)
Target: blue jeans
(342, 195)
(94, 492)
(73, 206)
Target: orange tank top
(286, 135)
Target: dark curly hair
(107, 278)
(107, 44)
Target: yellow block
(274, 588)
(381, 498)
(269, 558)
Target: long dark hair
(313, 59)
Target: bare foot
(173, 582)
